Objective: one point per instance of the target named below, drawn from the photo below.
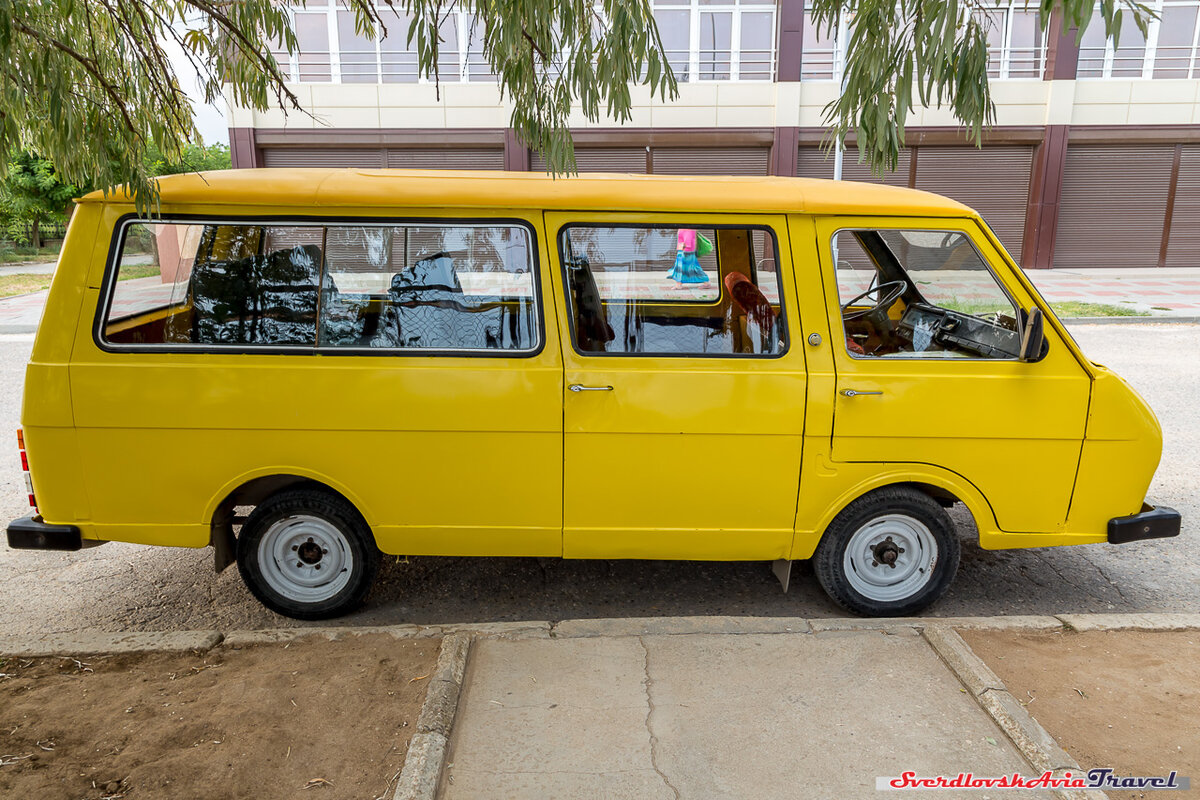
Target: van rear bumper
(31, 533)
(1150, 523)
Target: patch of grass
(13, 254)
(1064, 309)
(1078, 308)
(131, 271)
(12, 285)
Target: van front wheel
(889, 553)
(307, 555)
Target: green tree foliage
(931, 52)
(89, 83)
(32, 193)
(195, 158)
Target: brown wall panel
(711, 160)
(1114, 198)
(1183, 247)
(817, 162)
(993, 180)
(379, 157)
(446, 158)
(372, 157)
(601, 159)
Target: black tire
(332, 522)
(829, 561)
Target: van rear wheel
(307, 554)
(889, 553)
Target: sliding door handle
(579, 387)
(856, 392)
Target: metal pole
(839, 71)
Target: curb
(1031, 739)
(4, 329)
(1130, 622)
(427, 750)
(100, 642)
(1187, 320)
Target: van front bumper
(31, 533)
(1150, 523)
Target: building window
(718, 40)
(1171, 50)
(1016, 44)
(331, 49)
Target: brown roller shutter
(710, 160)
(854, 171)
(1183, 248)
(445, 157)
(814, 162)
(368, 157)
(993, 180)
(1114, 198)
(601, 159)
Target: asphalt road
(128, 587)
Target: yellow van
(306, 368)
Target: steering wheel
(897, 290)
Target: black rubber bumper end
(30, 533)
(1151, 523)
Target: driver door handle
(579, 387)
(856, 392)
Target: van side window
(448, 287)
(456, 287)
(673, 290)
(209, 284)
(921, 294)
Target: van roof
(372, 188)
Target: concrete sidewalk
(1162, 293)
(771, 707)
(716, 716)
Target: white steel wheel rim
(305, 559)
(906, 540)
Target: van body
(305, 368)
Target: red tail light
(25, 468)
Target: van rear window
(414, 286)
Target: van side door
(684, 400)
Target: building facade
(1094, 160)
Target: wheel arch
(252, 488)
(942, 485)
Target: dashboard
(929, 329)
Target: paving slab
(715, 716)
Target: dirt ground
(312, 719)
(1122, 699)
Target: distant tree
(195, 158)
(31, 194)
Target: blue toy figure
(687, 267)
